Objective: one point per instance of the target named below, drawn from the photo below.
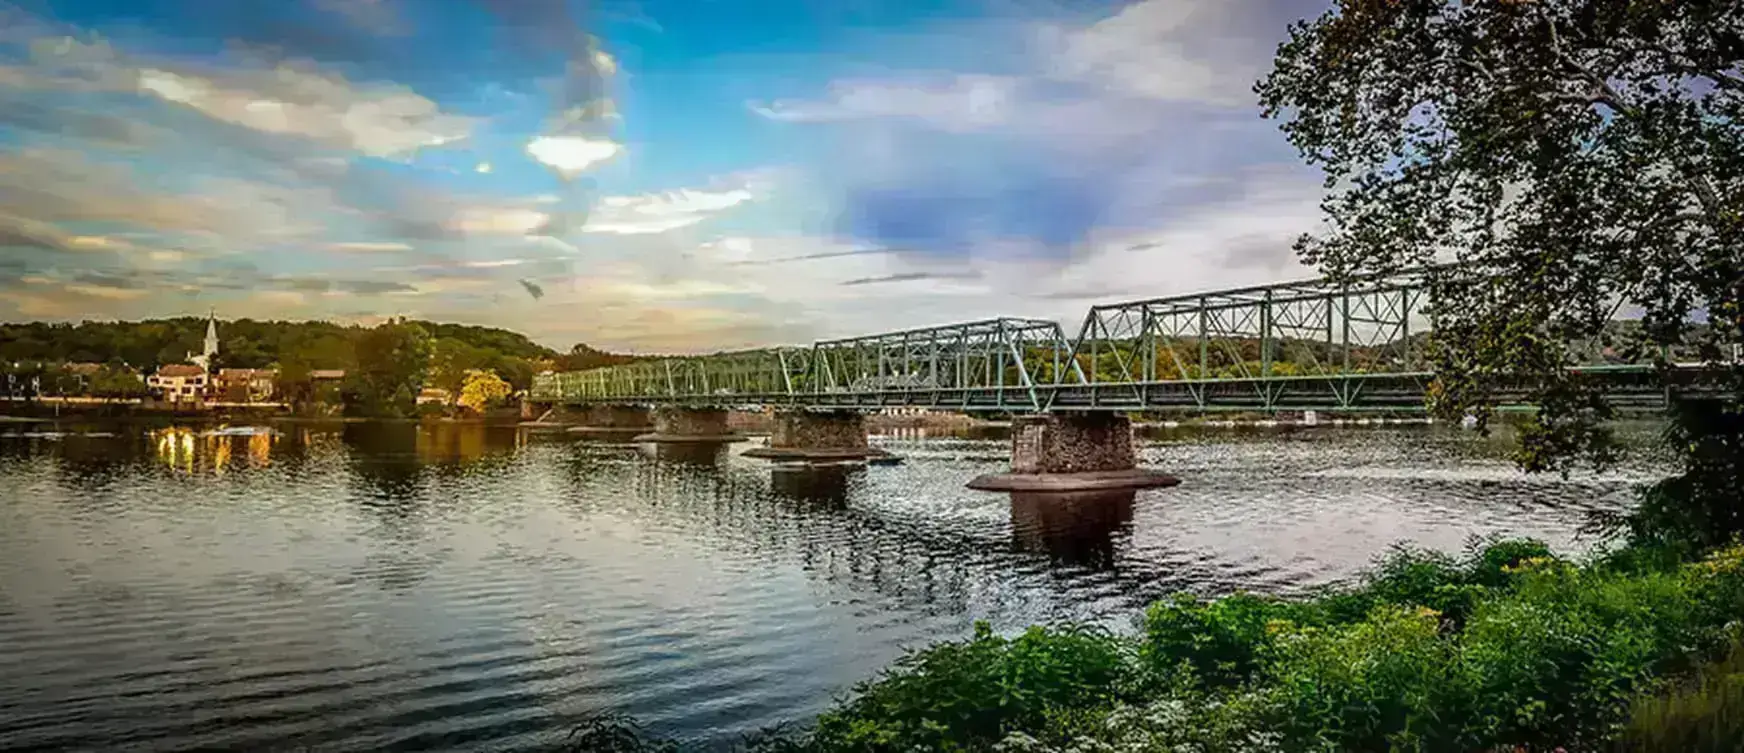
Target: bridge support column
(818, 435)
(1060, 452)
(612, 421)
(674, 424)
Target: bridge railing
(1351, 343)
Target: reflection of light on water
(260, 448)
(904, 432)
(1493, 474)
(177, 448)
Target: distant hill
(250, 343)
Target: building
(179, 383)
(210, 349)
(327, 375)
(250, 385)
(434, 396)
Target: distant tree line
(385, 366)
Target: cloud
(660, 212)
(960, 102)
(908, 277)
(571, 155)
(24, 232)
(1177, 50)
(379, 120)
(378, 17)
(19, 113)
(369, 247)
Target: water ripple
(396, 587)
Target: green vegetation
(385, 366)
(1507, 646)
(243, 343)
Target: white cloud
(1176, 50)
(570, 156)
(499, 221)
(482, 168)
(379, 120)
(962, 102)
(369, 246)
(660, 212)
(28, 233)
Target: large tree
(1576, 158)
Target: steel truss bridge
(1310, 345)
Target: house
(327, 375)
(251, 385)
(179, 383)
(433, 396)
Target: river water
(396, 587)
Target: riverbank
(1509, 647)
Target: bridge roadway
(1307, 345)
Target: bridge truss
(1315, 344)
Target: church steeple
(204, 360)
(211, 335)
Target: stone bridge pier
(681, 424)
(818, 435)
(1069, 452)
(612, 421)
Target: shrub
(968, 695)
(1706, 716)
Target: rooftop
(180, 370)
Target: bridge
(1307, 345)
(1351, 345)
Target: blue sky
(669, 175)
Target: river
(402, 587)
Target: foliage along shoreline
(1507, 648)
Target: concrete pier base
(820, 436)
(690, 425)
(612, 422)
(1071, 452)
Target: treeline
(385, 366)
(243, 343)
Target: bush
(968, 695)
(1504, 646)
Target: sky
(648, 176)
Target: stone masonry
(819, 430)
(1071, 443)
(616, 417)
(690, 423)
(1069, 452)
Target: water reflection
(822, 486)
(462, 587)
(685, 453)
(1078, 528)
(191, 450)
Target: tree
(1574, 157)
(392, 362)
(454, 359)
(482, 390)
(113, 381)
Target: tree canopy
(1573, 158)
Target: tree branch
(1607, 94)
